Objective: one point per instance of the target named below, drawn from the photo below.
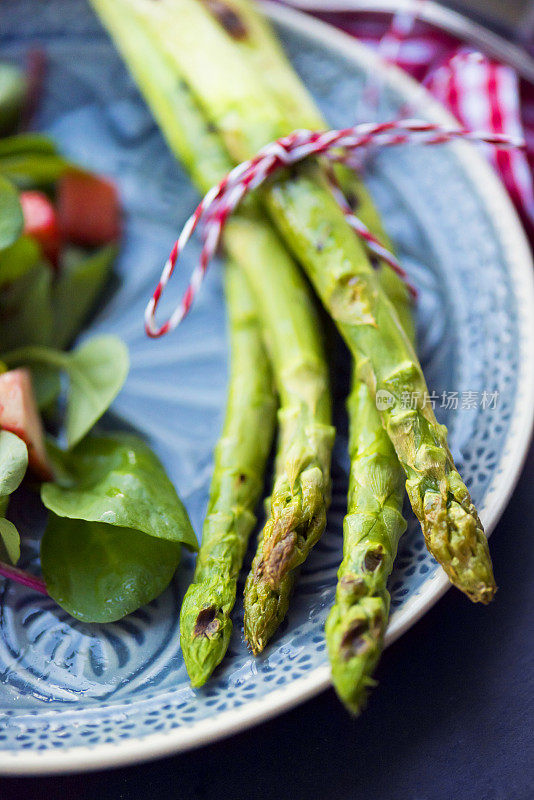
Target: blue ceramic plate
(76, 696)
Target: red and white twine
(372, 243)
(337, 145)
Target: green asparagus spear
(240, 457)
(374, 523)
(347, 286)
(188, 34)
(13, 89)
(259, 44)
(302, 486)
(234, 98)
(301, 491)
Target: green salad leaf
(13, 462)
(13, 87)
(115, 530)
(82, 277)
(37, 307)
(26, 316)
(11, 217)
(96, 370)
(13, 466)
(17, 259)
(46, 382)
(118, 480)
(9, 541)
(31, 158)
(99, 572)
(27, 143)
(30, 168)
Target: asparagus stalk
(240, 458)
(341, 276)
(261, 47)
(372, 528)
(301, 491)
(234, 98)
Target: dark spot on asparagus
(377, 626)
(351, 587)
(375, 261)
(353, 200)
(241, 478)
(319, 246)
(228, 18)
(279, 560)
(211, 127)
(352, 642)
(372, 560)
(207, 623)
(259, 570)
(307, 527)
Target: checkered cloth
(481, 93)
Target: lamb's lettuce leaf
(118, 480)
(11, 217)
(115, 530)
(99, 572)
(96, 370)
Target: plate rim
(519, 259)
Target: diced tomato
(19, 414)
(88, 209)
(40, 221)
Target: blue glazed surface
(64, 683)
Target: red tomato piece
(88, 209)
(41, 222)
(20, 415)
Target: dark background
(452, 717)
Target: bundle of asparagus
(220, 87)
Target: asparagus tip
(264, 610)
(456, 538)
(354, 636)
(205, 631)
